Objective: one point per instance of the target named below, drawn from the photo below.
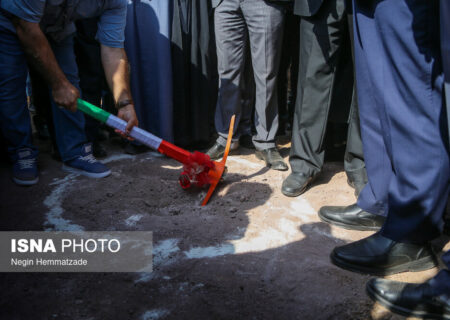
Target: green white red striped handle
(140, 135)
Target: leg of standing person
(246, 126)
(445, 48)
(69, 126)
(231, 41)
(75, 152)
(354, 164)
(265, 23)
(41, 102)
(432, 298)
(391, 36)
(91, 74)
(287, 49)
(370, 211)
(321, 39)
(293, 85)
(14, 116)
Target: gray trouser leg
(231, 42)
(354, 157)
(265, 28)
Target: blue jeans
(14, 117)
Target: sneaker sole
(404, 311)
(413, 266)
(348, 226)
(86, 173)
(25, 182)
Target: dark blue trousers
(442, 280)
(403, 123)
(403, 120)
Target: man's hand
(41, 56)
(66, 95)
(128, 114)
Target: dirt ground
(251, 253)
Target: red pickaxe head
(200, 170)
(216, 173)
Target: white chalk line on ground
(209, 252)
(255, 238)
(155, 314)
(117, 157)
(123, 156)
(302, 209)
(54, 217)
(252, 239)
(131, 221)
(164, 254)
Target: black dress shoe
(296, 184)
(272, 158)
(352, 218)
(216, 151)
(381, 256)
(408, 299)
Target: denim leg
(69, 126)
(14, 116)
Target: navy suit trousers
(403, 120)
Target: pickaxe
(199, 169)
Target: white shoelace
(26, 163)
(89, 158)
